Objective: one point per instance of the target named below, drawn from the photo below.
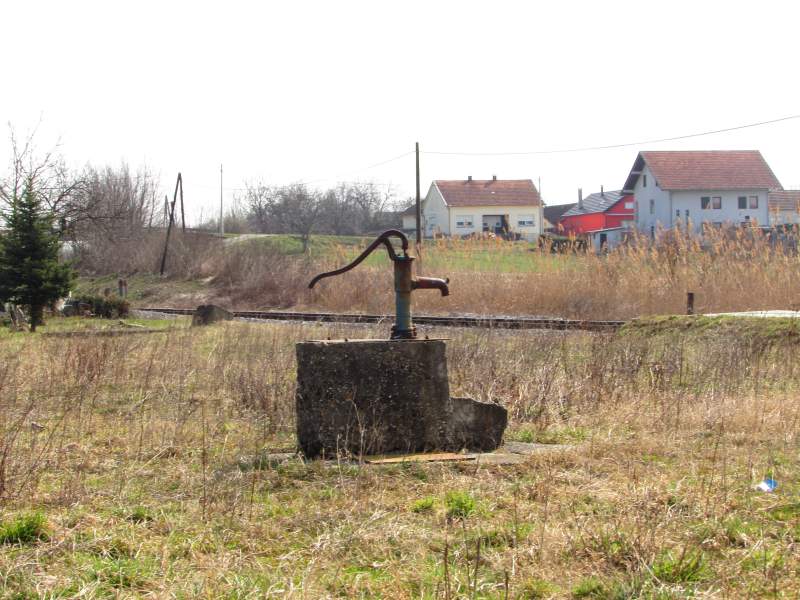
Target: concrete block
(206, 314)
(380, 396)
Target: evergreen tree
(30, 274)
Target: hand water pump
(404, 281)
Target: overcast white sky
(317, 91)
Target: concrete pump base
(380, 396)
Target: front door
(493, 224)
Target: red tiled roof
(711, 170)
(784, 200)
(489, 192)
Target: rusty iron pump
(404, 281)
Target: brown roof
(707, 170)
(489, 192)
(786, 200)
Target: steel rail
(439, 321)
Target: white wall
(667, 203)
(513, 213)
(729, 213)
(435, 213)
(642, 195)
(613, 238)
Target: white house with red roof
(721, 186)
(471, 206)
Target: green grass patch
(686, 567)
(591, 587)
(423, 504)
(459, 505)
(26, 528)
(560, 435)
(767, 329)
(786, 512)
(536, 589)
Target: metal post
(689, 303)
(221, 217)
(419, 211)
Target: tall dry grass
(733, 270)
(147, 457)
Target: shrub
(423, 504)
(590, 587)
(459, 505)
(536, 588)
(690, 567)
(112, 307)
(25, 529)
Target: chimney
(602, 193)
(580, 197)
(469, 177)
(494, 177)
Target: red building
(603, 217)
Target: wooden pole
(419, 211)
(166, 241)
(178, 184)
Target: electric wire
(612, 146)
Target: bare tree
(259, 200)
(297, 211)
(60, 190)
(293, 209)
(118, 202)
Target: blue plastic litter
(768, 485)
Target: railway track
(438, 321)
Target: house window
(705, 202)
(644, 180)
(753, 201)
(652, 231)
(742, 202)
(464, 221)
(652, 206)
(687, 214)
(677, 213)
(525, 221)
(716, 202)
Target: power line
(383, 162)
(612, 146)
(332, 177)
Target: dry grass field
(135, 466)
(736, 270)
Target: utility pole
(221, 216)
(419, 211)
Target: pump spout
(431, 283)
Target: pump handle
(381, 239)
